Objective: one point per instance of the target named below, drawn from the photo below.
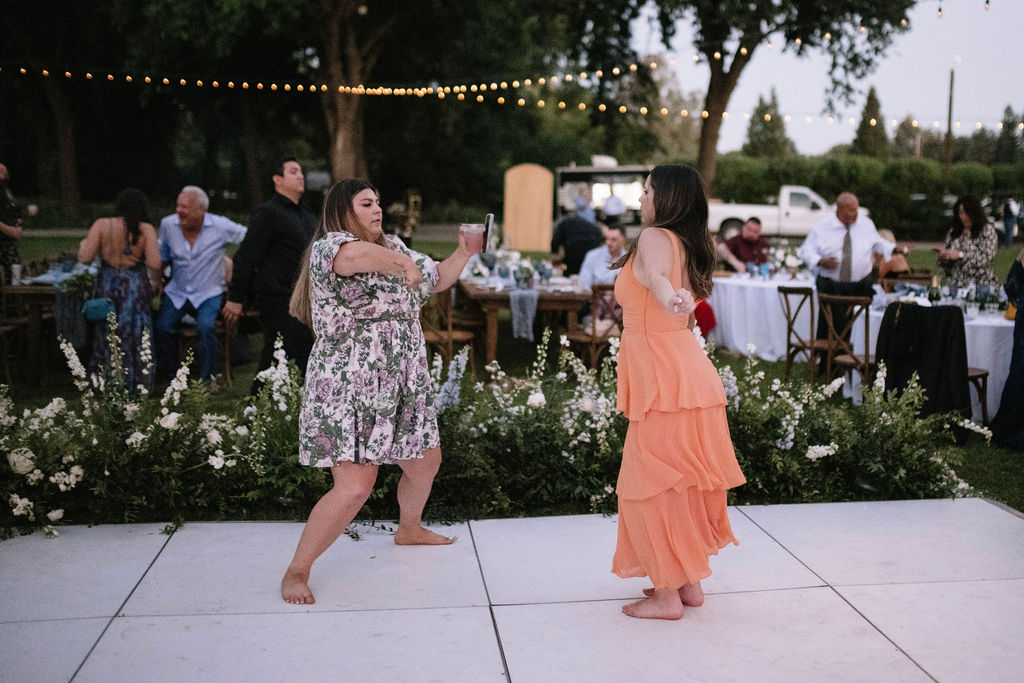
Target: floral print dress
(976, 265)
(368, 396)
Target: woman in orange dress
(677, 462)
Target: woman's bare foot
(691, 594)
(664, 604)
(295, 588)
(420, 536)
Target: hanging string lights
(495, 90)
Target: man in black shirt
(268, 262)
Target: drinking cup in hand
(15, 273)
(474, 234)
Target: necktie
(846, 265)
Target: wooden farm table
(492, 302)
(35, 299)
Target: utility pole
(947, 167)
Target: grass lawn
(995, 472)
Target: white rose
(54, 515)
(21, 460)
(242, 430)
(588, 405)
(536, 400)
(216, 462)
(170, 421)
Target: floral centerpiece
(785, 257)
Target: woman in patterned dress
(970, 245)
(368, 399)
(129, 274)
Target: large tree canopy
(854, 34)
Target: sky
(912, 79)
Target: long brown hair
(336, 217)
(975, 213)
(681, 206)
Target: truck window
(799, 200)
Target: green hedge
(904, 195)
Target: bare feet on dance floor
(691, 594)
(664, 604)
(295, 589)
(420, 536)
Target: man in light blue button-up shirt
(193, 243)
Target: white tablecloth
(749, 311)
(989, 345)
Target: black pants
(829, 286)
(275, 320)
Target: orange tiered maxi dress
(678, 461)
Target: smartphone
(488, 223)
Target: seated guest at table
(130, 267)
(10, 225)
(193, 243)
(970, 245)
(839, 248)
(596, 267)
(896, 266)
(575, 236)
(1008, 424)
(747, 247)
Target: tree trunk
(64, 136)
(720, 88)
(345, 128)
(251, 152)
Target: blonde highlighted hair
(336, 217)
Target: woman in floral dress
(368, 399)
(970, 245)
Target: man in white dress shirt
(193, 243)
(839, 250)
(596, 261)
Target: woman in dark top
(10, 225)
(127, 245)
(1008, 424)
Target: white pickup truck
(797, 211)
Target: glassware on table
(474, 234)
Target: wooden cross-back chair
(840, 314)
(439, 330)
(605, 323)
(794, 300)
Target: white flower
(50, 532)
(55, 515)
(230, 463)
(834, 386)
(170, 421)
(242, 430)
(214, 437)
(135, 439)
(818, 452)
(588, 405)
(21, 506)
(216, 462)
(35, 476)
(536, 400)
(21, 460)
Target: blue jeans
(1009, 222)
(167, 336)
